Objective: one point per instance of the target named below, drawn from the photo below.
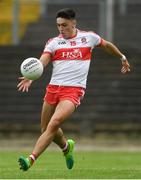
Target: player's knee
(54, 124)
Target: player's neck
(73, 34)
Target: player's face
(66, 27)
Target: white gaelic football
(31, 68)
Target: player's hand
(125, 67)
(24, 84)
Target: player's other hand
(24, 84)
(125, 67)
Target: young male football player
(70, 52)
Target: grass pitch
(88, 165)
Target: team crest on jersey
(83, 40)
(74, 54)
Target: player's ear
(74, 23)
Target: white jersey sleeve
(49, 47)
(96, 39)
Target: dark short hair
(66, 13)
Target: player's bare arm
(112, 49)
(45, 59)
(24, 83)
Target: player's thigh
(47, 112)
(63, 110)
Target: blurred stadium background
(112, 104)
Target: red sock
(32, 158)
(65, 147)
